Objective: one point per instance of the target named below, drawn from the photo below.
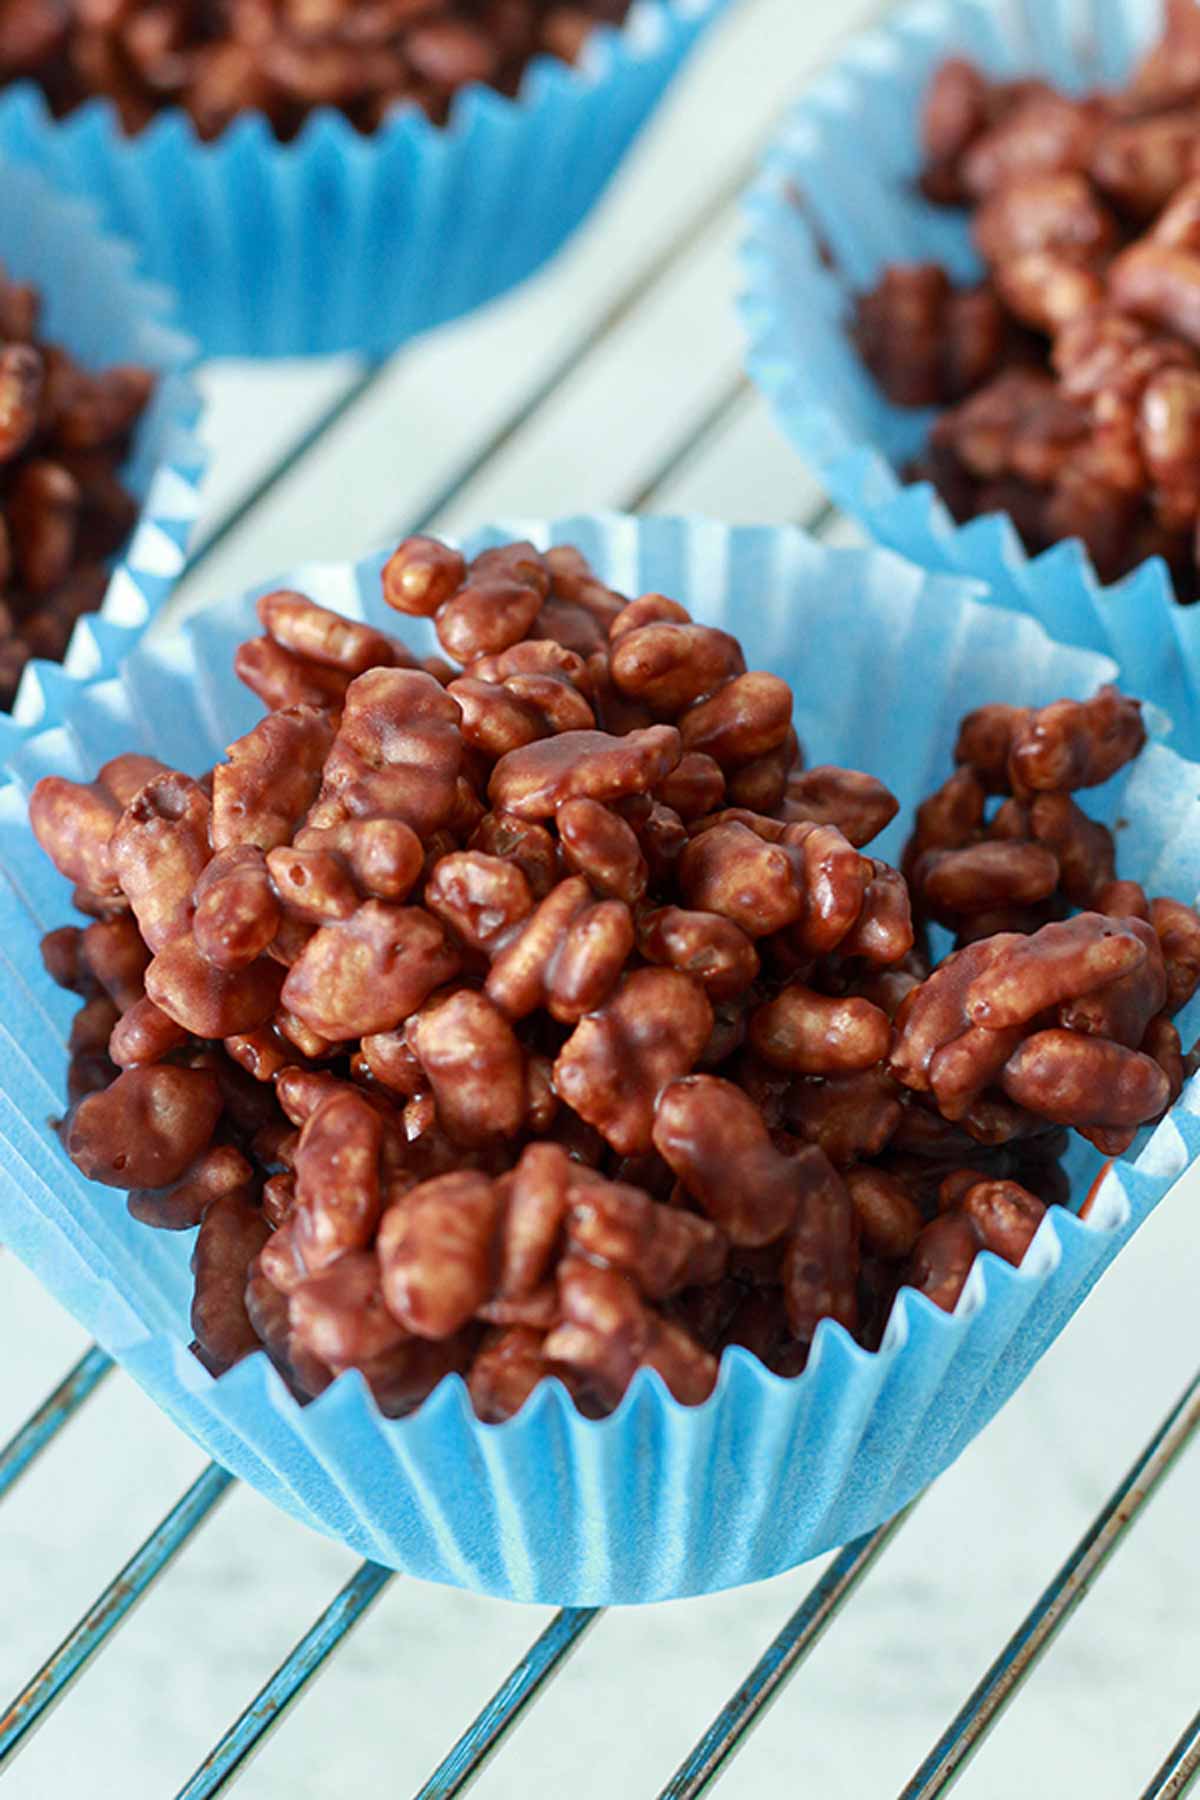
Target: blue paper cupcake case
(841, 175)
(338, 241)
(659, 1500)
(97, 305)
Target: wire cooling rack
(614, 380)
(704, 1765)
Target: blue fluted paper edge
(340, 242)
(97, 304)
(849, 147)
(659, 1500)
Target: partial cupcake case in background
(96, 304)
(658, 1500)
(841, 173)
(338, 241)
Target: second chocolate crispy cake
(1071, 374)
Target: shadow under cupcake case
(835, 202)
(658, 1500)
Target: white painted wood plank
(428, 416)
(741, 470)
(624, 410)
(254, 415)
(843, 533)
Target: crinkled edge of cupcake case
(1137, 620)
(647, 29)
(658, 1500)
(166, 464)
(338, 241)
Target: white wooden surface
(613, 380)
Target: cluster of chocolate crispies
(1071, 375)
(537, 1012)
(283, 58)
(64, 434)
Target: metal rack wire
(487, 1733)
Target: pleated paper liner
(841, 174)
(338, 241)
(96, 304)
(659, 1500)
